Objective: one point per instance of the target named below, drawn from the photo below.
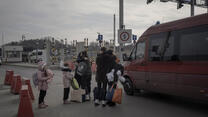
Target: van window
(133, 54)
(193, 44)
(156, 43)
(140, 50)
(170, 51)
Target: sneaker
(67, 102)
(103, 103)
(45, 104)
(42, 106)
(97, 102)
(87, 98)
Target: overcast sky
(78, 19)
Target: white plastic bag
(110, 76)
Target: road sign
(134, 37)
(54, 52)
(124, 36)
(100, 37)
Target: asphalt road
(139, 105)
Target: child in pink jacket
(44, 77)
(67, 77)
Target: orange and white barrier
(8, 77)
(25, 105)
(17, 84)
(27, 82)
(13, 83)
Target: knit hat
(66, 67)
(41, 65)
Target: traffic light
(180, 4)
(65, 51)
(53, 41)
(44, 44)
(149, 1)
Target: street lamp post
(37, 51)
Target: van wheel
(128, 87)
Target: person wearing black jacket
(115, 66)
(105, 62)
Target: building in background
(80, 47)
(13, 53)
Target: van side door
(141, 65)
(137, 65)
(162, 62)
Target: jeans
(41, 96)
(102, 90)
(86, 83)
(66, 93)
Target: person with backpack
(84, 70)
(44, 76)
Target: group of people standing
(106, 61)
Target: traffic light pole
(192, 7)
(114, 33)
(121, 24)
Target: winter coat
(104, 66)
(67, 77)
(43, 79)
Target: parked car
(171, 58)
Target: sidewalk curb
(34, 66)
(22, 65)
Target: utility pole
(121, 23)
(192, 7)
(114, 33)
(37, 43)
(2, 45)
(207, 5)
(121, 16)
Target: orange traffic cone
(13, 83)
(8, 77)
(18, 84)
(25, 106)
(27, 82)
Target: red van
(171, 58)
